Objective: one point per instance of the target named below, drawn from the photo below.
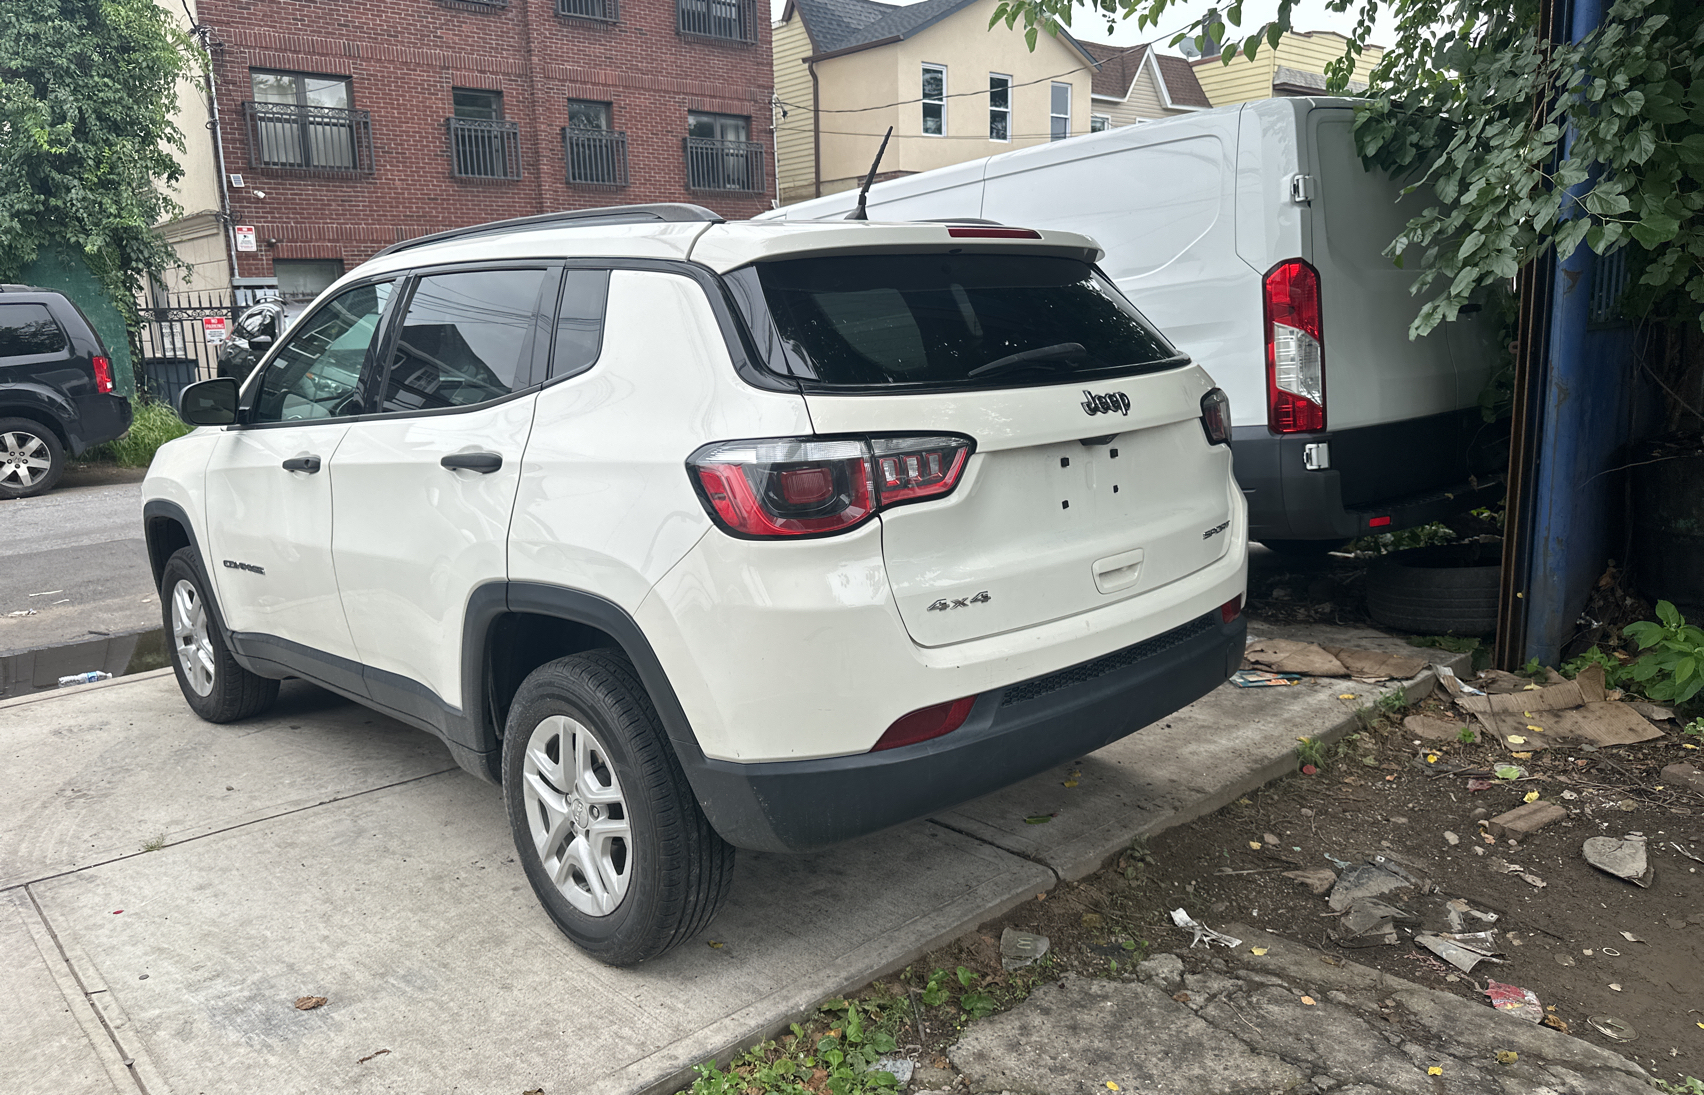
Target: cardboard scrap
(1371, 663)
(1431, 728)
(1574, 710)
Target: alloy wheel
(577, 815)
(24, 459)
(190, 638)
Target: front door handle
(482, 462)
(309, 464)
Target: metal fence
(730, 20)
(172, 343)
(317, 139)
(723, 165)
(608, 11)
(596, 157)
(484, 149)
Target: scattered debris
(1622, 858)
(23, 612)
(899, 1067)
(1685, 775)
(1631, 938)
(370, 1056)
(1313, 660)
(1507, 1056)
(1684, 852)
(1318, 880)
(1532, 880)
(1457, 909)
(1257, 678)
(1515, 1000)
(1611, 1027)
(1366, 880)
(1017, 950)
(90, 677)
(1571, 710)
(1183, 920)
(1523, 821)
(309, 1003)
(48, 593)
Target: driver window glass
(317, 373)
(467, 338)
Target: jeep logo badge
(1105, 404)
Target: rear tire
(31, 458)
(606, 825)
(214, 685)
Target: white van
(1251, 235)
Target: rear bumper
(100, 418)
(1411, 472)
(1012, 733)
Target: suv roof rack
(607, 214)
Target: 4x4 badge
(1105, 404)
(945, 605)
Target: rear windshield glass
(931, 321)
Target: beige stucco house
(1136, 84)
(952, 88)
(1296, 67)
(198, 234)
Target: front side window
(29, 329)
(467, 338)
(317, 373)
(303, 121)
(999, 107)
(934, 100)
(969, 320)
(1061, 112)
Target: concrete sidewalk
(326, 850)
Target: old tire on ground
(1447, 589)
(608, 830)
(31, 458)
(214, 685)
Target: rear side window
(933, 321)
(28, 329)
(579, 321)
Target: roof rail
(607, 214)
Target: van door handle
(482, 462)
(309, 464)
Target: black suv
(55, 389)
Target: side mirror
(209, 402)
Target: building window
(606, 11)
(1100, 123)
(720, 154)
(301, 121)
(729, 20)
(1061, 112)
(999, 107)
(934, 100)
(301, 280)
(482, 144)
(596, 155)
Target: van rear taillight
(782, 487)
(1295, 349)
(103, 374)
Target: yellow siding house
(1296, 67)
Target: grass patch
(154, 843)
(154, 424)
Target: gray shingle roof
(846, 24)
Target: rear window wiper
(1058, 352)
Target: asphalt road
(75, 555)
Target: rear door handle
(482, 462)
(309, 464)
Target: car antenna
(859, 214)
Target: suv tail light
(1295, 354)
(1216, 417)
(925, 723)
(782, 487)
(103, 374)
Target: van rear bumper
(1012, 733)
(1401, 473)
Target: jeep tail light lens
(783, 487)
(1231, 609)
(925, 723)
(103, 374)
(1216, 417)
(1295, 349)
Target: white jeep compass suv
(697, 535)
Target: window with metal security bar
(595, 154)
(604, 11)
(476, 5)
(302, 122)
(728, 20)
(718, 154)
(482, 144)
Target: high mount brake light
(1295, 349)
(991, 232)
(781, 487)
(103, 374)
(1216, 417)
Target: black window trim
(66, 351)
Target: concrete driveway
(325, 850)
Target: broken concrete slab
(1526, 819)
(1622, 858)
(1681, 774)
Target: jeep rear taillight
(784, 487)
(1295, 349)
(1216, 417)
(103, 374)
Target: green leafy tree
(1530, 146)
(87, 92)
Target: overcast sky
(1086, 26)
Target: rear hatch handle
(1117, 572)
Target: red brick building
(346, 127)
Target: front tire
(31, 458)
(606, 825)
(215, 686)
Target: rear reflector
(981, 232)
(925, 723)
(1378, 522)
(1295, 349)
(1231, 609)
(103, 374)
